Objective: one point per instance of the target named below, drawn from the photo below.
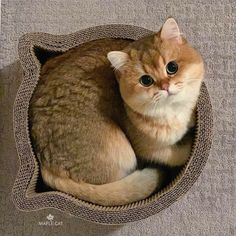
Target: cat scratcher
(34, 49)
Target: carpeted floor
(209, 208)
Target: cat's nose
(165, 86)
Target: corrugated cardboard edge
(23, 192)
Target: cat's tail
(134, 187)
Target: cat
(159, 79)
(99, 106)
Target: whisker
(178, 83)
(155, 106)
(190, 80)
(157, 97)
(179, 86)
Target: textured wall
(209, 208)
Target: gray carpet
(209, 208)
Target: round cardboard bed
(34, 50)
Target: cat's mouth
(169, 93)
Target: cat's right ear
(170, 31)
(117, 58)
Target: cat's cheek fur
(187, 95)
(135, 99)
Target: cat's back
(73, 115)
(79, 78)
(75, 91)
(83, 58)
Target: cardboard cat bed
(28, 193)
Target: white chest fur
(171, 124)
(167, 128)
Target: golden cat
(87, 134)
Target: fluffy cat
(86, 134)
(159, 79)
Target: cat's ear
(170, 30)
(117, 58)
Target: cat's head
(158, 70)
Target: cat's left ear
(117, 58)
(170, 31)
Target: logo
(50, 221)
(50, 217)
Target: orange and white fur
(92, 140)
(159, 115)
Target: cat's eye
(146, 80)
(171, 68)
